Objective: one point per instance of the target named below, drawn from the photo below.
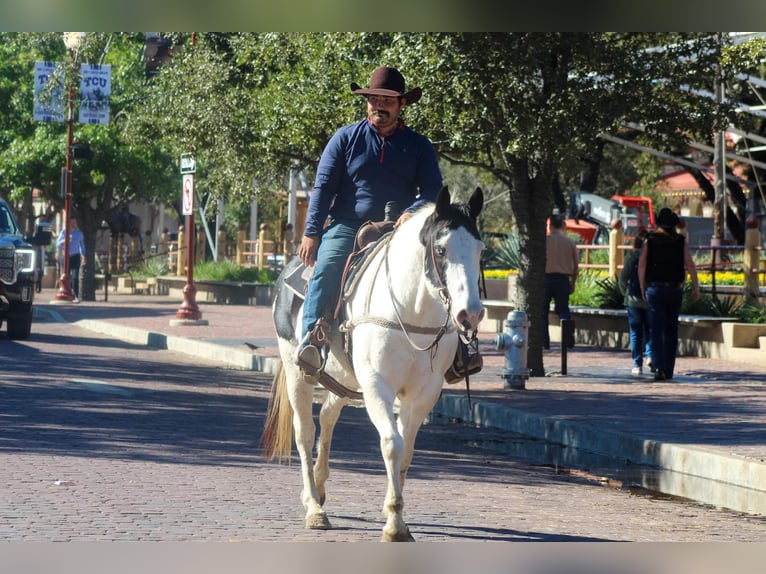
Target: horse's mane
(455, 216)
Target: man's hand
(402, 218)
(308, 250)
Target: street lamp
(72, 41)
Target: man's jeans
(664, 302)
(324, 285)
(557, 287)
(640, 340)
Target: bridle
(449, 325)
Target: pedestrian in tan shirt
(561, 270)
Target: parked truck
(19, 273)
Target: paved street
(107, 440)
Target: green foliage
(506, 254)
(752, 312)
(151, 267)
(230, 271)
(585, 289)
(706, 304)
(608, 294)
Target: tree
(528, 107)
(33, 153)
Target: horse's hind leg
(328, 417)
(301, 397)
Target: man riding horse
(365, 165)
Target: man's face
(383, 111)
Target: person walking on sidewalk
(562, 264)
(663, 266)
(365, 165)
(638, 316)
(76, 254)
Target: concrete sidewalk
(709, 424)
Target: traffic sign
(187, 194)
(188, 163)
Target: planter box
(223, 292)
(699, 336)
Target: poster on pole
(49, 92)
(187, 198)
(95, 90)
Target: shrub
(751, 312)
(505, 255)
(229, 271)
(152, 267)
(608, 294)
(585, 289)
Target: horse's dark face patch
(445, 218)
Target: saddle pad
(297, 280)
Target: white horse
(401, 322)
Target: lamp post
(72, 41)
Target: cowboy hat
(387, 81)
(667, 219)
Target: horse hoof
(318, 522)
(398, 537)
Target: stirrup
(468, 361)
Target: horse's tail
(277, 437)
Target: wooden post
(288, 245)
(120, 252)
(221, 252)
(751, 259)
(616, 255)
(180, 268)
(200, 246)
(263, 261)
(241, 245)
(164, 242)
(134, 254)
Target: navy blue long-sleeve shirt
(360, 171)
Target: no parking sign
(188, 194)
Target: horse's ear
(442, 201)
(476, 203)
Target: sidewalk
(709, 423)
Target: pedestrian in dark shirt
(662, 269)
(365, 165)
(638, 315)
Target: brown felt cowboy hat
(387, 81)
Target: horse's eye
(440, 251)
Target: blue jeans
(557, 288)
(74, 273)
(324, 286)
(664, 305)
(640, 339)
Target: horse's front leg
(413, 411)
(380, 407)
(301, 397)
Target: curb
(740, 472)
(211, 351)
